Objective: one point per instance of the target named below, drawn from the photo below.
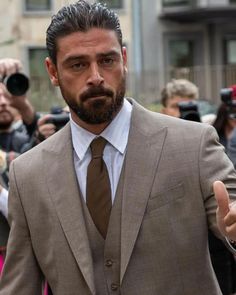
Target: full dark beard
(5, 125)
(99, 111)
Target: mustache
(96, 91)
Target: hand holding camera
(45, 128)
(15, 82)
(49, 124)
(13, 87)
(228, 98)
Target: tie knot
(97, 146)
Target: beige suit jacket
(168, 205)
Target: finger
(12, 66)
(48, 127)
(231, 231)
(230, 219)
(222, 198)
(43, 120)
(9, 66)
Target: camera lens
(17, 84)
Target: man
(14, 108)
(175, 92)
(13, 137)
(183, 91)
(161, 171)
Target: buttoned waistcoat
(167, 207)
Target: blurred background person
(17, 124)
(179, 99)
(175, 92)
(21, 128)
(225, 122)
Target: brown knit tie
(98, 191)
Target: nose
(95, 78)
(3, 99)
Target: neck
(93, 128)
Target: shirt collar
(116, 133)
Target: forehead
(93, 41)
(176, 99)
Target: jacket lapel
(65, 193)
(143, 153)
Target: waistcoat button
(114, 287)
(109, 263)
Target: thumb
(222, 198)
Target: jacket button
(109, 263)
(114, 287)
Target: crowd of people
(170, 187)
(21, 128)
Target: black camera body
(227, 98)
(59, 120)
(17, 84)
(189, 111)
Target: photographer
(225, 122)
(178, 99)
(17, 124)
(11, 107)
(21, 128)
(176, 92)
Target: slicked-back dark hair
(80, 17)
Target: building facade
(193, 39)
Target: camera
(227, 97)
(17, 84)
(189, 111)
(59, 120)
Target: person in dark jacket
(13, 137)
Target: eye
(79, 65)
(107, 61)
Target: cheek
(172, 112)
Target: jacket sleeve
(21, 274)
(214, 165)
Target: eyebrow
(85, 56)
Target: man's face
(91, 73)
(6, 112)
(172, 107)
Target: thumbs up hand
(226, 211)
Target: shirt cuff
(4, 202)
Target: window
(175, 2)
(230, 53)
(43, 95)
(181, 53)
(38, 5)
(229, 59)
(36, 62)
(113, 4)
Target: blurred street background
(192, 39)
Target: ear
(52, 71)
(124, 55)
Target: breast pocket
(164, 198)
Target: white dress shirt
(116, 135)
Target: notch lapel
(65, 193)
(143, 153)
